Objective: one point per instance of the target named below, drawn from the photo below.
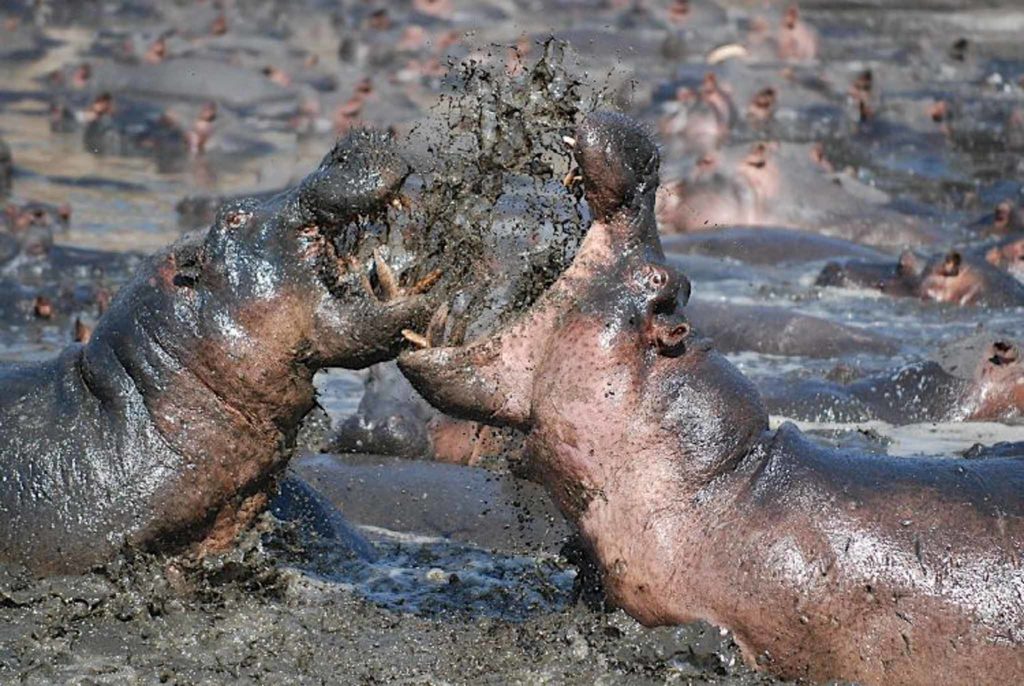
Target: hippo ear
(951, 265)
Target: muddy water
(496, 594)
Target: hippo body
(824, 565)
(954, 277)
(6, 168)
(920, 392)
(781, 331)
(168, 428)
(785, 186)
(175, 80)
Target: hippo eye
(238, 219)
(654, 276)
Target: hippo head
(297, 270)
(999, 383)
(1008, 255)
(901, 280)
(953, 278)
(33, 225)
(604, 370)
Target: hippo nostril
(670, 336)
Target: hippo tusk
(385, 276)
(726, 52)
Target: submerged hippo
(782, 331)
(954, 277)
(825, 565)
(993, 389)
(167, 430)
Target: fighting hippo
(824, 565)
(1008, 255)
(954, 277)
(167, 430)
(990, 389)
(788, 185)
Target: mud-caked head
(306, 271)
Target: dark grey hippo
(167, 430)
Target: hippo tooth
(416, 339)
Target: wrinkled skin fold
(168, 429)
(825, 565)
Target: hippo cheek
(711, 413)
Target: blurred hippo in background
(6, 168)
(785, 185)
(987, 386)
(955, 277)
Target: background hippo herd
(717, 307)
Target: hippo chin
(168, 429)
(825, 565)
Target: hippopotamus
(28, 228)
(166, 431)
(699, 119)
(954, 277)
(6, 168)
(767, 245)
(992, 389)
(1006, 219)
(824, 565)
(392, 419)
(782, 331)
(1008, 255)
(785, 185)
(175, 81)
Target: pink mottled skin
(824, 565)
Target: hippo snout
(357, 177)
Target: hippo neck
(210, 403)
